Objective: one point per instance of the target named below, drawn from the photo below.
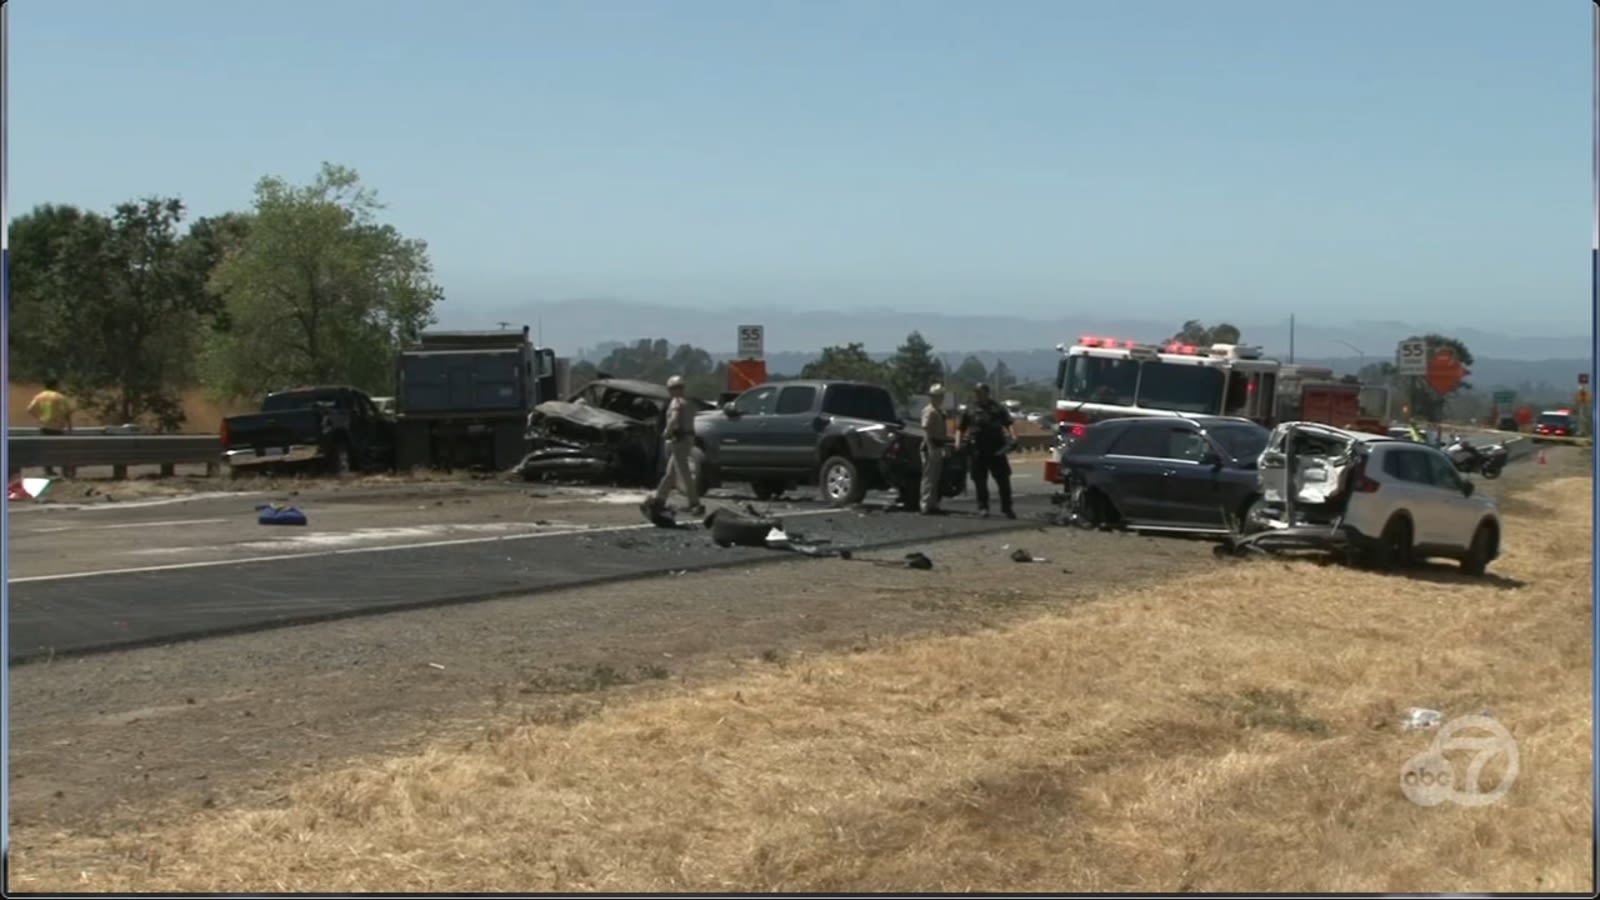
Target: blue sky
(1236, 159)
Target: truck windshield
(1172, 387)
(1555, 420)
(859, 401)
(301, 400)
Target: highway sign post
(1411, 358)
(752, 341)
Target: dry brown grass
(1235, 732)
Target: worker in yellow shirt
(53, 411)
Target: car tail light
(226, 441)
(1077, 430)
(1067, 416)
(1365, 485)
(1052, 471)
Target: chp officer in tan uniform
(679, 435)
(936, 436)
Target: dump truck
(462, 398)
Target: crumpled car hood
(584, 415)
(1324, 458)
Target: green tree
(582, 372)
(1001, 377)
(971, 371)
(914, 366)
(1199, 334)
(36, 241)
(656, 359)
(129, 308)
(850, 362)
(212, 239)
(318, 290)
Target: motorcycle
(1486, 461)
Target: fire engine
(1315, 394)
(1105, 378)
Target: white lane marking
(169, 523)
(293, 538)
(347, 551)
(104, 506)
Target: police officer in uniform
(679, 435)
(985, 431)
(935, 439)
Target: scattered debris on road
(279, 514)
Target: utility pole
(1291, 338)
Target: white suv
(1394, 502)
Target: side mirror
(1210, 458)
(729, 411)
(1467, 488)
(819, 423)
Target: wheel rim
(839, 482)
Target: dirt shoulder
(232, 719)
(833, 726)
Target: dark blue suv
(1194, 474)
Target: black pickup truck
(335, 427)
(845, 437)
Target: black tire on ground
(1394, 547)
(1476, 562)
(729, 529)
(841, 482)
(1493, 470)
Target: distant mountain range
(587, 328)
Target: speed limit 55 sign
(1412, 358)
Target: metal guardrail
(116, 450)
(33, 430)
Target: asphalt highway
(98, 578)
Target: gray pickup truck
(846, 437)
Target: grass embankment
(1238, 731)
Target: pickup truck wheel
(841, 482)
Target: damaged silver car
(608, 431)
(1391, 503)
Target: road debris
(279, 514)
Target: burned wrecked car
(1389, 502)
(608, 431)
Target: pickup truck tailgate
(280, 430)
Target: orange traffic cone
(1541, 458)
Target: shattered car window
(1242, 442)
